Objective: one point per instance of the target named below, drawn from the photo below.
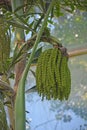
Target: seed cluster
(53, 79)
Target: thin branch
(77, 52)
(44, 123)
(54, 41)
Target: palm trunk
(19, 67)
(19, 39)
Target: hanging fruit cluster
(53, 79)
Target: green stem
(20, 97)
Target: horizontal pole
(77, 52)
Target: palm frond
(3, 121)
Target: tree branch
(77, 52)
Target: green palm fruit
(47, 76)
(39, 74)
(52, 72)
(54, 62)
(65, 75)
(53, 75)
(57, 73)
(68, 82)
(46, 55)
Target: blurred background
(71, 30)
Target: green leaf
(57, 9)
(32, 89)
(33, 73)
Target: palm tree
(16, 16)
